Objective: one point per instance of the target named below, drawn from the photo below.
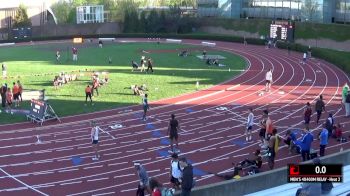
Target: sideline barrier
(261, 181)
(173, 40)
(211, 44)
(7, 44)
(107, 39)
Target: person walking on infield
(9, 98)
(142, 64)
(172, 133)
(187, 177)
(95, 85)
(58, 56)
(94, 137)
(15, 91)
(307, 115)
(347, 105)
(4, 71)
(3, 95)
(250, 123)
(20, 88)
(319, 107)
(75, 54)
(323, 140)
(149, 65)
(145, 106)
(88, 94)
(175, 171)
(268, 78)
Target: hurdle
(173, 40)
(210, 44)
(107, 39)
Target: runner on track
(94, 137)
(145, 107)
(172, 133)
(250, 123)
(268, 80)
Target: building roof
(6, 4)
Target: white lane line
(208, 149)
(137, 150)
(65, 149)
(111, 164)
(215, 138)
(68, 170)
(68, 183)
(141, 160)
(24, 184)
(100, 194)
(127, 142)
(120, 176)
(233, 87)
(227, 146)
(210, 130)
(128, 190)
(200, 97)
(97, 166)
(98, 179)
(112, 153)
(111, 144)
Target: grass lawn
(173, 75)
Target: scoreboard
(22, 33)
(37, 109)
(282, 30)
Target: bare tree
(309, 9)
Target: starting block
(221, 108)
(281, 92)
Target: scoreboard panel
(22, 33)
(37, 108)
(282, 30)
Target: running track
(212, 139)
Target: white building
(90, 14)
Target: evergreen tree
(21, 18)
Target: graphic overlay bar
(315, 173)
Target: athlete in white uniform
(268, 80)
(175, 172)
(94, 137)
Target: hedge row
(341, 59)
(338, 58)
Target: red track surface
(28, 168)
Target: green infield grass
(35, 66)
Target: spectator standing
(15, 92)
(9, 98)
(307, 116)
(345, 93)
(175, 171)
(95, 85)
(304, 57)
(3, 95)
(4, 71)
(305, 143)
(273, 147)
(187, 177)
(75, 54)
(149, 65)
(323, 140)
(319, 107)
(347, 105)
(330, 124)
(262, 131)
(250, 123)
(143, 179)
(20, 88)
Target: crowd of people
(141, 67)
(10, 96)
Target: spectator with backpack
(175, 171)
(187, 177)
(330, 124)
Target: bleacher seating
(290, 189)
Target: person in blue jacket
(305, 144)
